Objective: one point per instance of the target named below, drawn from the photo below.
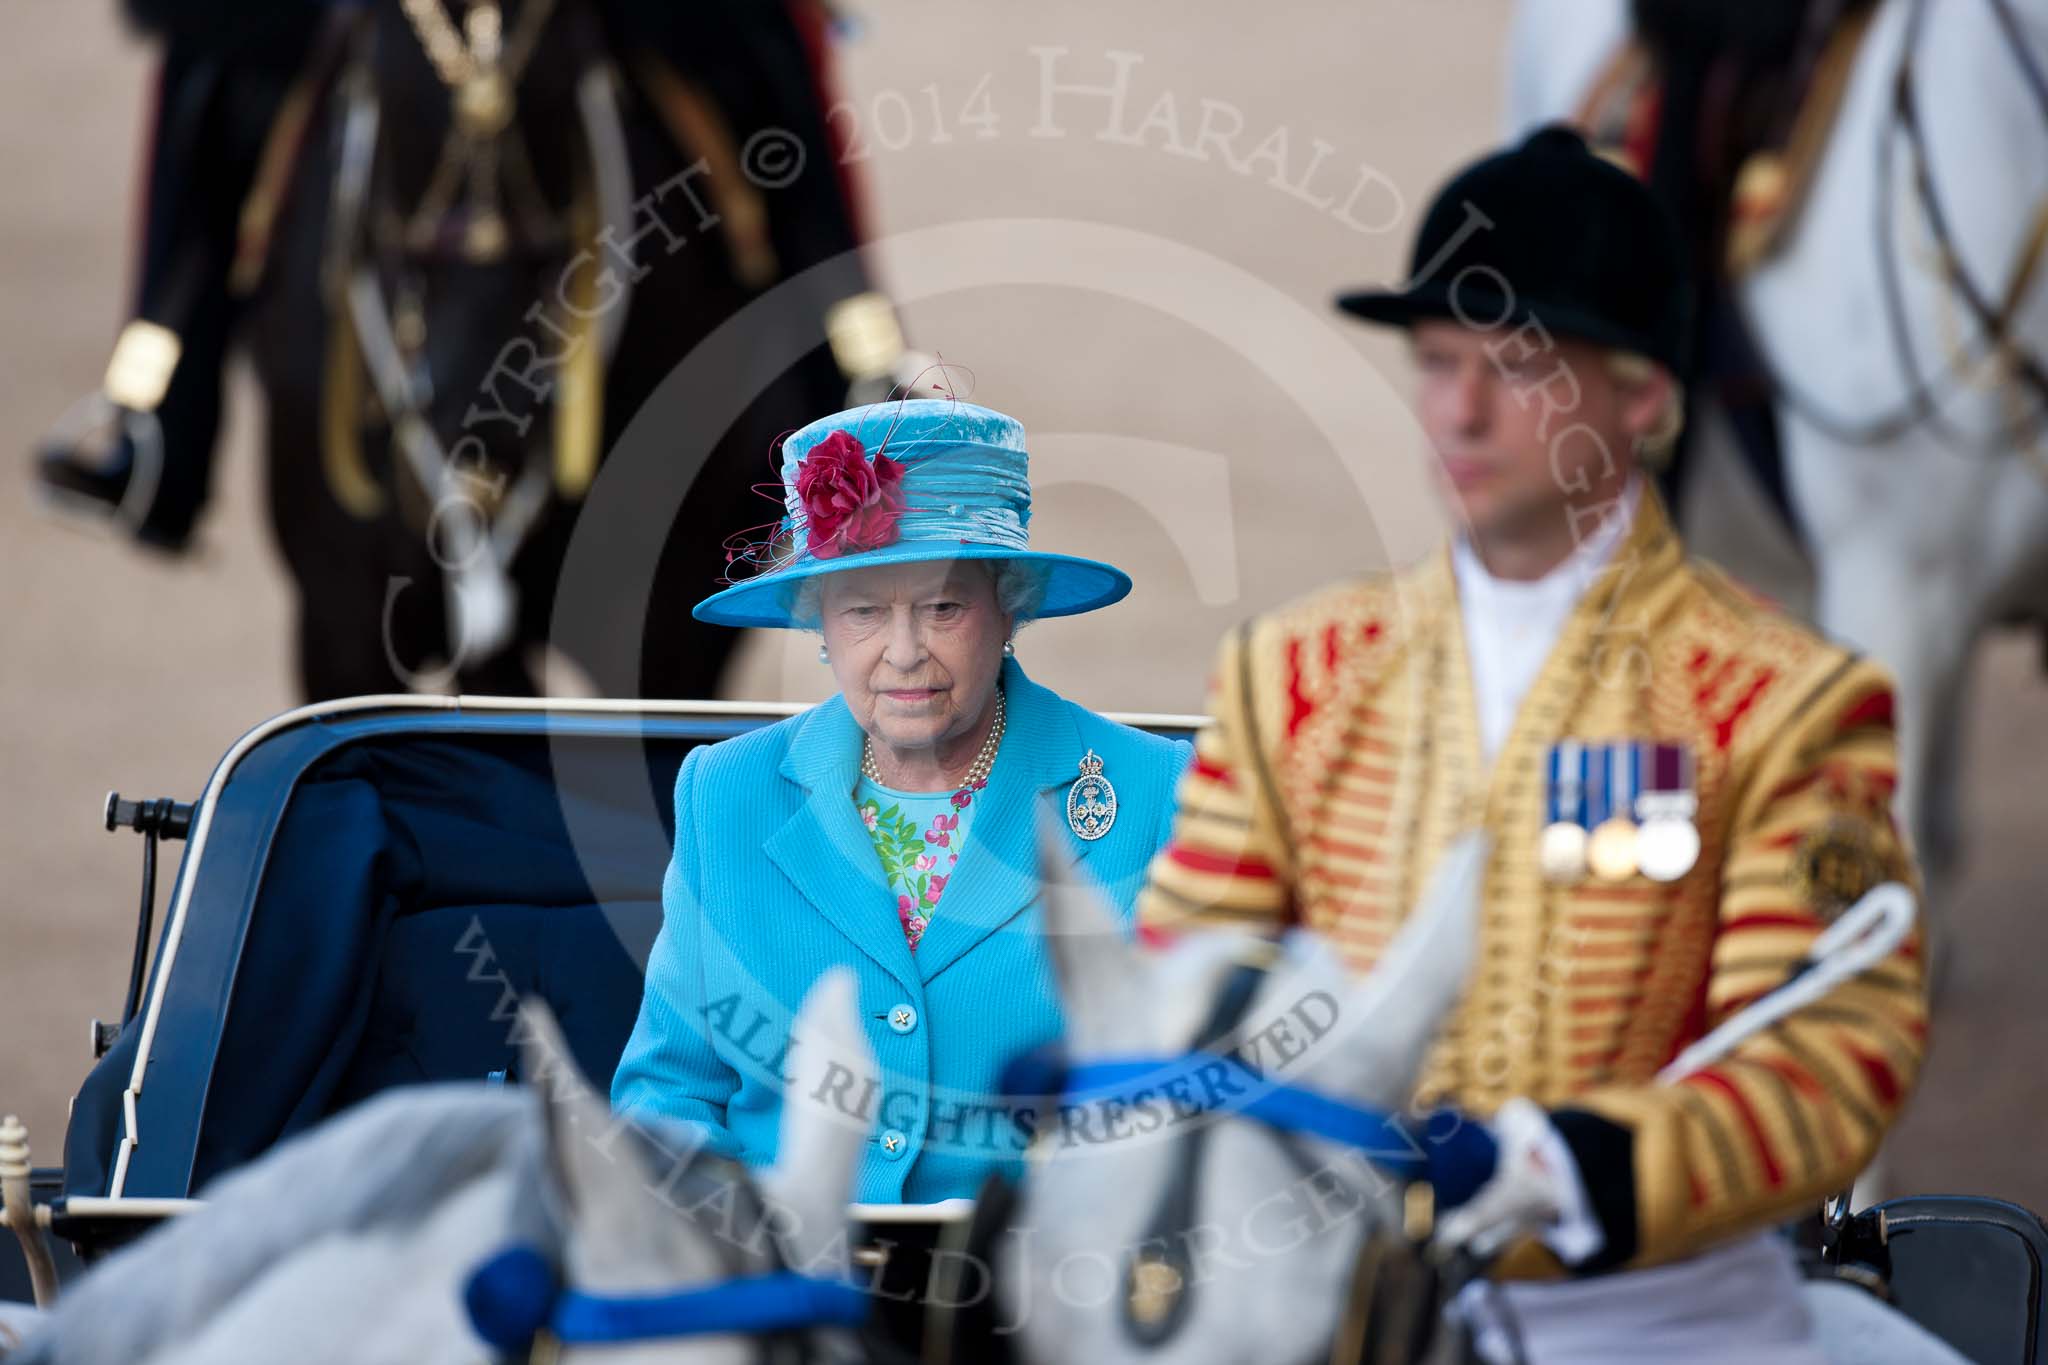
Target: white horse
(1268, 1246)
(1216, 1238)
(1922, 531)
(355, 1242)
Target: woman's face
(916, 650)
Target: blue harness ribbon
(515, 1294)
(1453, 1153)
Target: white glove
(1535, 1188)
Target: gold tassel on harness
(577, 420)
(341, 416)
(579, 383)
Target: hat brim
(1488, 308)
(1069, 585)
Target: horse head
(479, 154)
(437, 1222)
(665, 1252)
(508, 228)
(1193, 1224)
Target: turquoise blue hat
(907, 482)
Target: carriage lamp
(162, 817)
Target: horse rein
(1923, 403)
(517, 1303)
(1995, 319)
(507, 1293)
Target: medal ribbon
(1671, 778)
(1625, 780)
(1598, 785)
(1567, 803)
(1663, 773)
(1670, 843)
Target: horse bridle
(1159, 1280)
(1396, 1294)
(367, 331)
(1922, 402)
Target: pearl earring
(1009, 649)
(824, 656)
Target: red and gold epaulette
(1736, 663)
(1302, 652)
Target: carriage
(369, 886)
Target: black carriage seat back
(416, 888)
(1971, 1271)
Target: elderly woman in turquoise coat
(895, 828)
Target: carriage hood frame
(133, 1144)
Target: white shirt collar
(1511, 626)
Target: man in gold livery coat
(1503, 684)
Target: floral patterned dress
(919, 837)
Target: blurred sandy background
(1152, 304)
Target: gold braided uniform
(1345, 756)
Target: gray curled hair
(1019, 593)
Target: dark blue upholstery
(415, 889)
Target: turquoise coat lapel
(826, 852)
(824, 849)
(998, 874)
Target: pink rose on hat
(850, 502)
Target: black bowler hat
(1579, 244)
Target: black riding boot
(221, 86)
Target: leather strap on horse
(699, 130)
(1773, 183)
(1393, 1307)
(1922, 401)
(1995, 319)
(282, 150)
(342, 386)
(341, 413)
(1159, 1278)
(951, 1317)
(577, 409)
(2031, 250)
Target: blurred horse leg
(371, 616)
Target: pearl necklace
(977, 771)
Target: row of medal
(1618, 809)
